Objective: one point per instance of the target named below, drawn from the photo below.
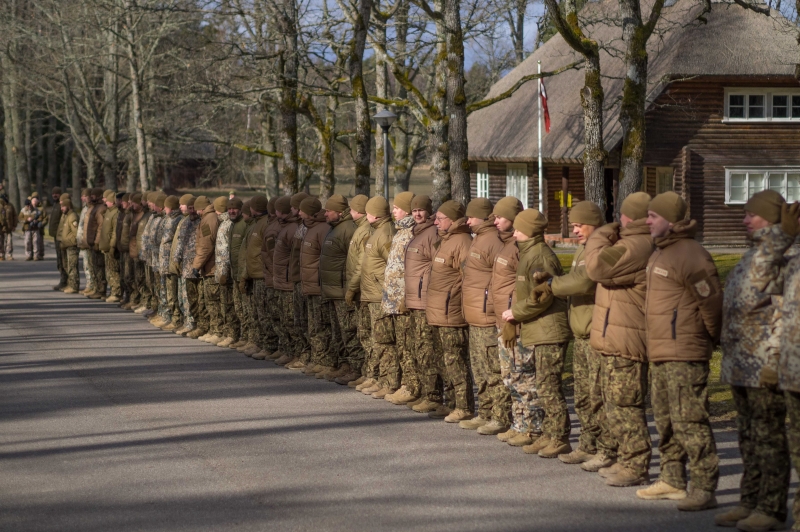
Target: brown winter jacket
(124, 230)
(333, 258)
(268, 249)
(504, 276)
(137, 219)
(616, 259)
(281, 276)
(253, 265)
(478, 297)
(108, 231)
(355, 254)
(94, 220)
(445, 295)
(309, 254)
(373, 265)
(419, 260)
(579, 291)
(683, 309)
(55, 221)
(68, 230)
(206, 241)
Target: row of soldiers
(416, 307)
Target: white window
(517, 182)
(483, 181)
(742, 183)
(663, 179)
(762, 104)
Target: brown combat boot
(441, 412)
(347, 378)
(261, 355)
(521, 440)
(70, 290)
(226, 342)
(171, 326)
(507, 435)
(401, 396)
(556, 448)
(492, 428)
(758, 522)
(458, 415)
(425, 407)
(613, 469)
(732, 516)
(366, 383)
(660, 490)
(473, 424)
(627, 477)
(578, 456)
(275, 355)
(383, 392)
(369, 390)
(537, 444)
(598, 462)
(285, 359)
(325, 371)
(698, 500)
(295, 365)
(358, 382)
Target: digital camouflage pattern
(761, 425)
(749, 306)
(347, 318)
(222, 250)
(393, 300)
(382, 347)
(793, 439)
(71, 266)
(786, 334)
(98, 264)
(494, 400)
(167, 232)
(519, 375)
(300, 312)
(404, 345)
(87, 268)
(291, 341)
(164, 309)
(588, 396)
(112, 273)
(183, 303)
(452, 343)
(138, 296)
(152, 239)
(428, 364)
(624, 384)
(212, 304)
(319, 332)
(336, 347)
(264, 333)
(197, 304)
(173, 303)
(230, 320)
(185, 251)
(364, 325)
(679, 394)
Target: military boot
(112, 299)
(374, 387)
(425, 407)
(70, 290)
(366, 383)
(383, 392)
(698, 500)
(237, 345)
(507, 435)
(492, 428)
(599, 461)
(458, 415)
(252, 350)
(261, 355)
(613, 469)
(139, 309)
(95, 295)
(183, 330)
(521, 440)
(312, 369)
(159, 322)
(358, 382)
(758, 522)
(275, 355)
(59, 287)
(171, 326)
(196, 333)
(401, 396)
(538, 442)
(214, 339)
(226, 342)
(660, 490)
(325, 371)
(473, 424)
(285, 359)
(578, 456)
(627, 477)
(732, 516)
(441, 412)
(295, 365)
(415, 402)
(556, 448)
(348, 378)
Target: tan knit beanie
(187, 199)
(635, 205)
(452, 209)
(766, 204)
(337, 203)
(201, 203)
(530, 222)
(172, 202)
(403, 201)
(359, 203)
(310, 206)
(586, 213)
(508, 208)
(160, 199)
(479, 208)
(378, 207)
(297, 199)
(283, 205)
(669, 206)
(422, 202)
(259, 203)
(271, 205)
(221, 204)
(235, 203)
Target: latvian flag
(543, 96)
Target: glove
(349, 297)
(195, 273)
(242, 287)
(540, 277)
(509, 335)
(768, 378)
(789, 221)
(223, 279)
(542, 291)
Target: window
(764, 104)
(517, 182)
(663, 179)
(741, 184)
(482, 181)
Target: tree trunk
(27, 130)
(401, 159)
(132, 172)
(18, 133)
(518, 33)
(288, 104)
(8, 140)
(40, 158)
(53, 178)
(594, 154)
(76, 176)
(363, 134)
(271, 176)
(66, 165)
(456, 104)
(438, 150)
(136, 102)
(381, 91)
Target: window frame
(766, 171)
(768, 93)
(482, 180)
(509, 192)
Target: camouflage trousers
(34, 244)
(70, 257)
(85, 254)
(265, 316)
(548, 361)
(124, 274)
(61, 263)
(406, 362)
(230, 321)
(452, 343)
(161, 291)
(139, 294)
(494, 400)
(8, 245)
(183, 303)
(197, 304)
(761, 422)
(336, 346)
(300, 311)
(352, 351)
(378, 342)
(288, 341)
(242, 304)
(364, 331)
(793, 437)
(98, 264)
(319, 332)
(624, 384)
(516, 366)
(130, 279)
(212, 303)
(586, 363)
(173, 302)
(679, 393)
(428, 363)
(151, 289)
(112, 273)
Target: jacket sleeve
(768, 261)
(609, 260)
(575, 283)
(358, 248)
(529, 308)
(113, 235)
(703, 283)
(204, 248)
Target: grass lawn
(719, 395)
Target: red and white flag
(543, 96)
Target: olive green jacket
(578, 290)
(355, 253)
(108, 231)
(333, 258)
(373, 265)
(68, 230)
(543, 322)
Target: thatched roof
(735, 42)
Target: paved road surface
(109, 424)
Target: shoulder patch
(702, 285)
(75, 224)
(205, 230)
(611, 255)
(439, 259)
(582, 263)
(502, 261)
(660, 271)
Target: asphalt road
(109, 424)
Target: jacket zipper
(674, 322)
(447, 305)
(510, 297)
(419, 290)
(485, 297)
(605, 323)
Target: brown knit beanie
(109, 195)
(508, 208)
(452, 209)
(530, 222)
(359, 203)
(766, 204)
(311, 206)
(84, 192)
(64, 195)
(586, 213)
(235, 203)
(187, 199)
(56, 190)
(172, 202)
(221, 204)
(246, 208)
(297, 199)
(422, 202)
(160, 200)
(403, 201)
(201, 203)
(378, 207)
(271, 205)
(64, 199)
(669, 206)
(635, 205)
(337, 203)
(136, 198)
(258, 203)
(283, 205)
(126, 197)
(479, 208)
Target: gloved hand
(542, 291)
(768, 378)
(196, 273)
(540, 277)
(349, 297)
(509, 335)
(789, 221)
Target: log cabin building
(723, 117)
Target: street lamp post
(385, 119)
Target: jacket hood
(681, 230)
(635, 227)
(528, 244)
(418, 228)
(459, 227)
(380, 221)
(484, 227)
(345, 217)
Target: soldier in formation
(413, 306)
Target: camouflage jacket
(393, 300)
(184, 252)
(81, 225)
(144, 250)
(168, 227)
(752, 293)
(222, 250)
(786, 332)
(152, 239)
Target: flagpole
(539, 128)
